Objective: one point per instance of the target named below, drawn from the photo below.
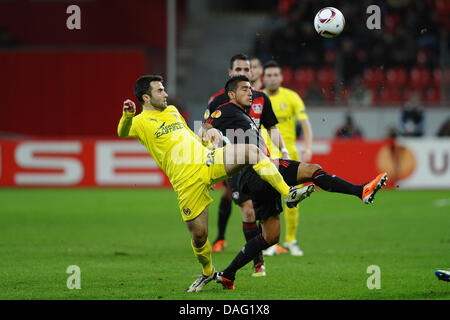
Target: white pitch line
(442, 202)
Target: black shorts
(266, 200)
(235, 185)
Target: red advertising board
(123, 162)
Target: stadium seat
(376, 98)
(326, 77)
(419, 78)
(344, 93)
(436, 78)
(330, 56)
(288, 76)
(391, 96)
(328, 94)
(302, 92)
(433, 96)
(396, 77)
(303, 78)
(373, 78)
(409, 93)
(442, 6)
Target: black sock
(250, 231)
(335, 184)
(248, 252)
(224, 215)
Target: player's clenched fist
(214, 136)
(129, 106)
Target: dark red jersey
(236, 125)
(260, 111)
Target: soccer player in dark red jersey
(262, 114)
(256, 72)
(234, 123)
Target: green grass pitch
(132, 244)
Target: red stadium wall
(66, 93)
(103, 22)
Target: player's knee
(312, 167)
(248, 213)
(271, 236)
(272, 239)
(199, 237)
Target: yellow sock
(269, 173)
(291, 219)
(203, 256)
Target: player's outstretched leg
(371, 188)
(237, 156)
(313, 172)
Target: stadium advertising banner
(74, 163)
(410, 163)
(424, 163)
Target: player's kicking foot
(218, 246)
(371, 188)
(226, 283)
(260, 271)
(443, 275)
(293, 248)
(201, 281)
(298, 194)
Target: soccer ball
(329, 22)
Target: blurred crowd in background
(404, 64)
(400, 61)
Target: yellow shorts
(193, 196)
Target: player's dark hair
(239, 56)
(232, 83)
(142, 86)
(254, 58)
(271, 64)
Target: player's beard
(159, 104)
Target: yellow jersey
(288, 106)
(177, 150)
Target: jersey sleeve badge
(216, 114)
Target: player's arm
(302, 117)
(124, 129)
(209, 134)
(306, 153)
(269, 121)
(278, 141)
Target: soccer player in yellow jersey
(288, 107)
(191, 167)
